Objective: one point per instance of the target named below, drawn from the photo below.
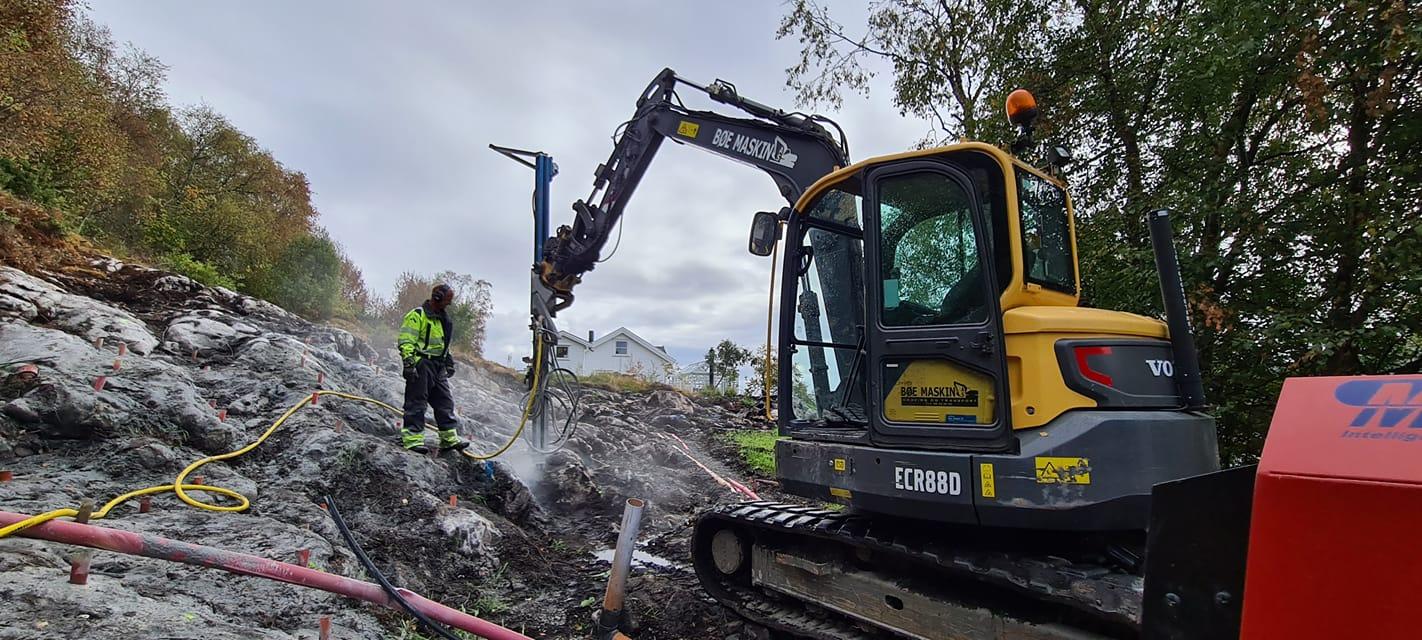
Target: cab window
(929, 261)
(1046, 234)
(829, 310)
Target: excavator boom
(794, 149)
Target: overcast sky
(389, 109)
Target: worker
(424, 341)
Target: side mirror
(764, 233)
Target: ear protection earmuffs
(440, 293)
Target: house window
(562, 351)
(621, 347)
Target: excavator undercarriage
(814, 573)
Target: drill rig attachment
(553, 392)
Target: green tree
(86, 128)
(766, 374)
(307, 276)
(724, 361)
(1283, 137)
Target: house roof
(564, 335)
(660, 352)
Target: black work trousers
(428, 386)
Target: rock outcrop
(138, 372)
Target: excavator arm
(795, 149)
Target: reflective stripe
(448, 437)
(411, 439)
(417, 328)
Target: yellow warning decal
(839, 464)
(688, 129)
(1056, 470)
(988, 480)
(839, 493)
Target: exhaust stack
(1177, 316)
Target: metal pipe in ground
(151, 546)
(613, 600)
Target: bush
(30, 182)
(196, 269)
(307, 278)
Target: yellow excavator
(994, 444)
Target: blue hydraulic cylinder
(543, 170)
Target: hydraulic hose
(178, 487)
(374, 572)
(181, 489)
(533, 394)
(151, 546)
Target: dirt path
(627, 450)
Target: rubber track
(1101, 593)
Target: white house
(620, 351)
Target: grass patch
(619, 382)
(757, 449)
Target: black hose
(380, 577)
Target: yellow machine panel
(938, 392)
(1034, 378)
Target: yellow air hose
(180, 488)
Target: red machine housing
(1333, 542)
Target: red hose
(150, 546)
(725, 482)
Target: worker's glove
(449, 369)
(409, 371)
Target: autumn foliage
(86, 129)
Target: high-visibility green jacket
(425, 333)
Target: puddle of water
(640, 558)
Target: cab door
(934, 346)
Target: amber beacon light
(1021, 107)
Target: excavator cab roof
(1024, 190)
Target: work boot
(449, 441)
(413, 441)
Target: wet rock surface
(189, 371)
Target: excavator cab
(934, 362)
(942, 248)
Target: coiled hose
(181, 488)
